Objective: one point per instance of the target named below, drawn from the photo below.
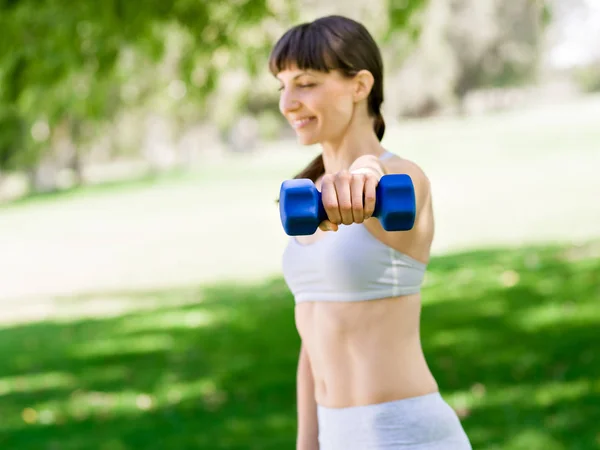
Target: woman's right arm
(308, 435)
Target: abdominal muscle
(365, 352)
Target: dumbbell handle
(301, 205)
(322, 214)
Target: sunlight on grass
(508, 333)
(442, 285)
(450, 338)
(555, 314)
(533, 395)
(138, 344)
(171, 320)
(554, 392)
(81, 404)
(89, 306)
(205, 390)
(533, 439)
(38, 381)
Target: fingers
(357, 186)
(329, 198)
(369, 196)
(347, 198)
(344, 197)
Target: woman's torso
(368, 351)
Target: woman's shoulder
(395, 164)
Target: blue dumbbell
(301, 208)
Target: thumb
(326, 225)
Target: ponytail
(379, 126)
(314, 170)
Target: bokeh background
(141, 152)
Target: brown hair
(326, 44)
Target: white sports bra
(349, 265)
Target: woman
(362, 380)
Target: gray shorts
(426, 422)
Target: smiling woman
(311, 62)
(362, 381)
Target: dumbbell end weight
(396, 206)
(300, 207)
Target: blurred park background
(141, 152)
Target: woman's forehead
(291, 72)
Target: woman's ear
(363, 84)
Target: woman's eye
(301, 86)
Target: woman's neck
(338, 156)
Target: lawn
(151, 314)
(509, 336)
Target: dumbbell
(301, 208)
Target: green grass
(509, 335)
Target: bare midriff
(365, 352)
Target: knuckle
(358, 177)
(343, 175)
(329, 204)
(327, 179)
(346, 207)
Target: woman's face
(319, 106)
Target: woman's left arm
(373, 165)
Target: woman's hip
(425, 422)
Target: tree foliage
(467, 45)
(77, 64)
(503, 49)
(61, 59)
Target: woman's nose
(287, 101)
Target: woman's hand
(348, 197)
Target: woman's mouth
(301, 123)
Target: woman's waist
(340, 389)
(368, 372)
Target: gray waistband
(418, 423)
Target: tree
(467, 45)
(502, 50)
(64, 61)
(74, 65)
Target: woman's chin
(307, 139)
